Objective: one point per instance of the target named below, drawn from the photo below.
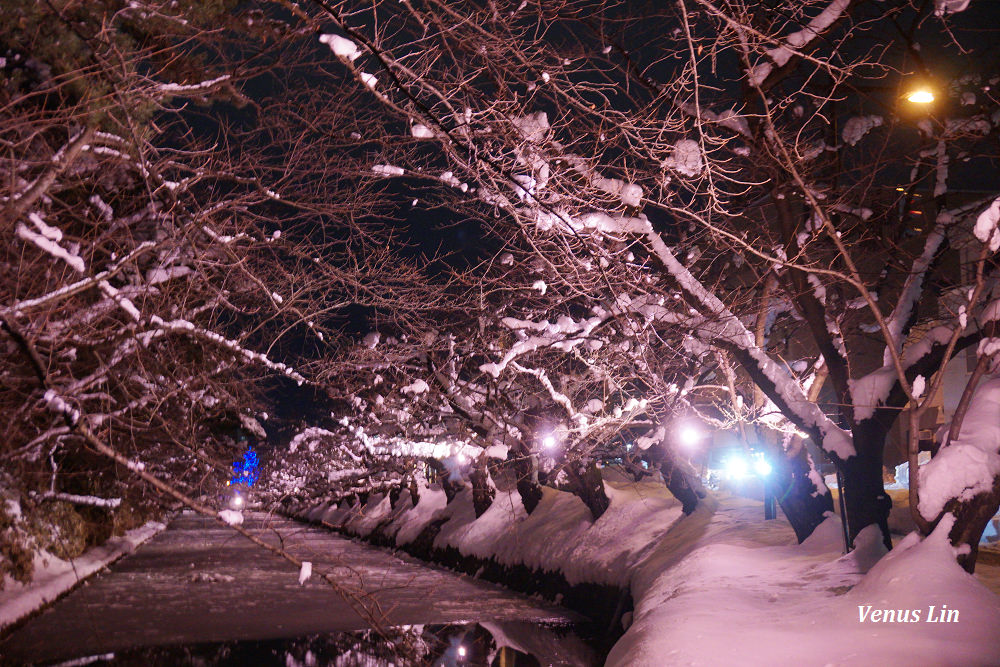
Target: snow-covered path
(201, 582)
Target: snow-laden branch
(913, 288)
(93, 501)
(187, 327)
(796, 41)
(557, 396)
(47, 244)
(724, 327)
(80, 285)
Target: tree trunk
(864, 492)
(394, 494)
(802, 503)
(971, 518)
(526, 472)
(482, 491)
(588, 485)
(678, 476)
(414, 491)
(451, 487)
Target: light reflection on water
(499, 643)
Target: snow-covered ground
(723, 586)
(53, 576)
(743, 593)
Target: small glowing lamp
(736, 467)
(920, 96)
(237, 501)
(690, 436)
(762, 467)
(461, 651)
(548, 442)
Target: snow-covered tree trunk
(865, 499)
(483, 490)
(587, 484)
(793, 482)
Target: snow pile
(986, 229)
(685, 158)
(232, 517)
(945, 7)
(53, 577)
(857, 127)
(968, 466)
(341, 46)
(558, 536)
(731, 589)
(417, 387)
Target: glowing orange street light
(920, 96)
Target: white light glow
(920, 96)
(461, 458)
(736, 467)
(690, 436)
(762, 467)
(461, 651)
(237, 501)
(548, 442)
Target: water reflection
(497, 644)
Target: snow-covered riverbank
(53, 576)
(721, 586)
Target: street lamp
(921, 95)
(690, 436)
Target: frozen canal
(200, 583)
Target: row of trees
(725, 204)
(521, 238)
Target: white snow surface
(685, 158)
(943, 7)
(54, 576)
(721, 586)
(986, 229)
(966, 467)
(858, 126)
(730, 589)
(342, 47)
(558, 536)
(232, 517)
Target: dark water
(501, 644)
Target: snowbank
(736, 598)
(721, 586)
(559, 536)
(54, 576)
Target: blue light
(246, 471)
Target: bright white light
(762, 467)
(548, 442)
(736, 467)
(461, 458)
(461, 651)
(237, 501)
(690, 436)
(920, 96)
